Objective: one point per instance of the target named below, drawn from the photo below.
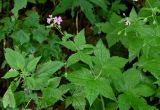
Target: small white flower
(127, 22)
(135, 0)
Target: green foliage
(86, 7)
(45, 68)
(18, 4)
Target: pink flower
(49, 19)
(57, 20)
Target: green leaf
(132, 77)
(32, 19)
(74, 58)
(151, 65)
(118, 62)
(85, 58)
(79, 56)
(49, 68)
(77, 100)
(50, 96)
(101, 52)
(100, 3)
(8, 99)
(133, 14)
(80, 40)
(63, 6)
(111, 106)
(123, 102)
(128, 100)
(92, 86)
(11, 74)
(40, 34)
(20, 97)
(117, 6)
(115, 74)
(32, 64)
(144, 90)
(69, 44)
(21, 36)
(54, 82)
(87, 9)
(18, 4)
(14, 59)
(32, 83)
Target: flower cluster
(54, 20)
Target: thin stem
(59, 30)
(103, 106)
(98, 74)
(77, 22)
(28, 102)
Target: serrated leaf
(69, 44)
(40, 34)
(49, 68)
(144, 90)
(115, 74)
(152, 65)
(21, 36)
(8, 99)
(85, 58)
(101, 52)
(118, 62)
(87, 9)
(123, 102)
(54, 82)
(128, 100)
(91, 95)
(32, 19)
(100, 3)
(50, 96)
(18, 4)
(94, 86)
(14, 59)
(80, 40)
(74, 58)
(63, 6)
(77, 100)
(132, 77)
(32, 64)
(133, 14)
(11, 74)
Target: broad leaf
(118, 62)
(92, 87)
(70, 45)
(132, 77)
(101, 52)
(32, 64)
(63, 6)
(77, 100)
(8, 99)
(14, 59)
(40, 34)
(74, 58)
(18, 4)
(21, 37)
(80, 40)
(128, 100)
(144, 90)
(11, 74)
(49, 68)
